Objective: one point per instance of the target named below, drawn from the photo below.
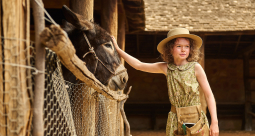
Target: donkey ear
(76, 20)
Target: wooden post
(121, 27)
(109, 15)
(121, 42)
(15, 109)
(83, 7)
(202, 63)
(247, 84)
(109, 21)
(38, 124)
(86, 9)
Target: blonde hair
(194, 55)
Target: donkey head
(77, 28)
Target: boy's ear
(76, 20)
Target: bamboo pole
(38, 124)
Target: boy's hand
(214, 129)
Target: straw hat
(179, 32)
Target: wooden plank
(23, 93)
(2, 107)
(248, 117)
(11, 79)
(29, 79)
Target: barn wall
(225, 77)
(150, 91)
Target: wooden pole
(83, 7)
(86, 9)
(247, 84)
(109, 21)
(38, 124)
(202, 63)
(109, 16)
(121, 42)
(121, 27)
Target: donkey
(108, 62)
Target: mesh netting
(76, 109)
(69, 109)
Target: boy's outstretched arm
(203, 82)
(159, 67)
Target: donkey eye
(108, 46)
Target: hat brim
(197, 39)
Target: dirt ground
(222, 133)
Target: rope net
(69, 109)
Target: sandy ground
(222, 133)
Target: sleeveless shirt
(183, 91)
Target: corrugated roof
(200, 15)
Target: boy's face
(181, 49)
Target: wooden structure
(229, 38)
(15, 105)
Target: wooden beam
(228, 42)
(246, 72)
(251, 32)
(202, 63)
